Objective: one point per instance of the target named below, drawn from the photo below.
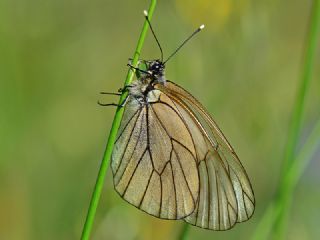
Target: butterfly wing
(153, 162)
(226, 195)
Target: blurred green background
(57, 55)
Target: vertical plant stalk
(310, 52)
(183, 235)
(113, 133)
(277, 213)
(293, 175)
(286, 188)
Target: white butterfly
(172, 161)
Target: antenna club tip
(145, 12)
(201, 27)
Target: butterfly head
(156, 68)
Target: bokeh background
(57, 55)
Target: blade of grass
(263, 229)
(285, 191)
(310, 53)
(277, 213)
(292, 177)
(113, 132)
(184, 232)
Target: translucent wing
(226, 195)
(154, 161)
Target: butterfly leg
(138, 69)
(125, 88)
(109, 93)
(140, 61)
(114, 104)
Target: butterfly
(171, 160)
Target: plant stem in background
(276, 215)
(286, 189)
(292, 177)
(113, 133)
(310, 51)
(184, 232)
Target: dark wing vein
(184, 121)
(135, 169)
(208, 195)
(145, 191)
(175, 192)
(184, 176)
(218, 202)
(124, 128)
(120, 162)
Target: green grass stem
(309, 58)
(291, 178)
(113, 133)
(286, 185)
(183, 235)
(276, 215)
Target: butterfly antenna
(154, 35)
(184, 42)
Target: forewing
(219, 167)
(154, 163)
